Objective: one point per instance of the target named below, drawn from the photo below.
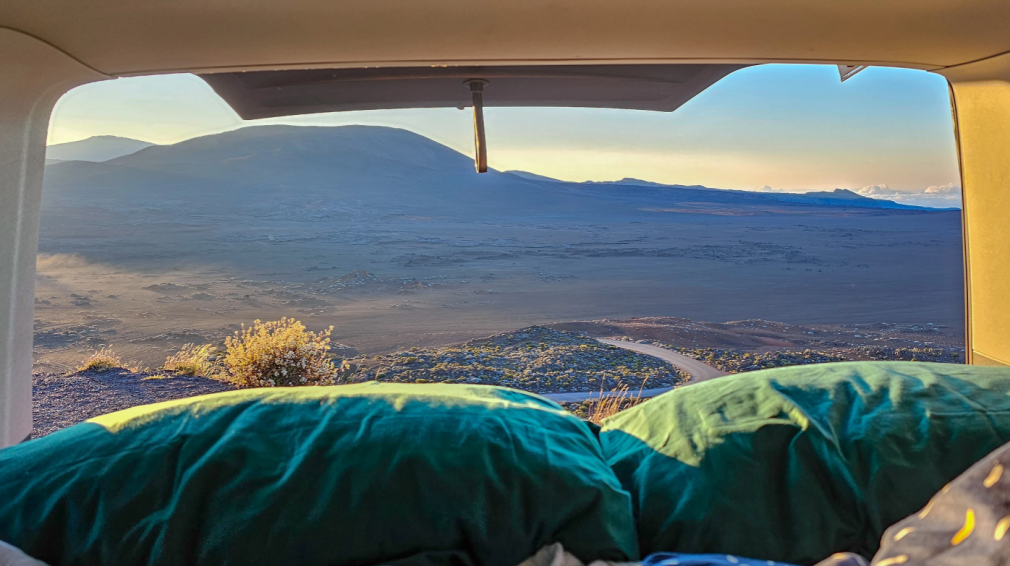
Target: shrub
(595, 410)
(102, 360)
(279, 353)
(192, 360)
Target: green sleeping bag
(346, 475)
(794, 464)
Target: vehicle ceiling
(126, 37)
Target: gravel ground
(950, 355)
(731, 361)
(537, 359)
(735, 361)
(63, 400)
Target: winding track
(699, 371)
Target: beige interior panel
(981, 95)
(32, 77)
(141, 36)
(266, 94)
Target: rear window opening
(779, 217)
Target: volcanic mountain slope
(97, 148)
(182, 243)
(399, 170)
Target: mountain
(277, 158)
(370, 168)
(97, 148)
(646, 191)
(533, 176)
(641, 183)
(389, 170)
(839, 197)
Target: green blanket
(794, 464)
(348, 475)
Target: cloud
(948, 189)
(936, 196)
(878, 191)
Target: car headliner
(124, 37)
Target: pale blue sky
(885, 132)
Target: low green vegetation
(735, 361)
(266, 354)
(102, 360)
(193, 360)
(595, 410)
(281, 352)
(536, 359)
(914, 354)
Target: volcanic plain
(393, 240)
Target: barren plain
(392, 240)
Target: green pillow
(347, 475)
(793, 464)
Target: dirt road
(699, 371)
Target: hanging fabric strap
(479, 138)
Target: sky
(885, 133)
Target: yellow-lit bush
(608, 406)
(102, 360)
(279, 353)
(192, 360)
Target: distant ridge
(837, 193)
(395, 170)
(533, 176)
(641, 183)
(841, 196)
(96, 148)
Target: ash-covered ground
(562, 359)
(393, 240)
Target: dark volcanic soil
(63, 400)
(765, 335)
(538, 359)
